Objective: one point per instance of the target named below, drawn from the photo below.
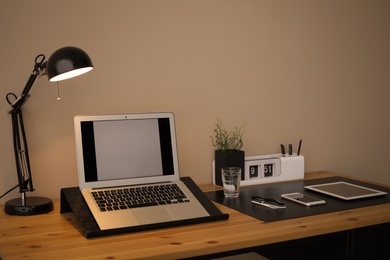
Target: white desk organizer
(270, 168)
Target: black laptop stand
(72, 201)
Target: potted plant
(228, 151)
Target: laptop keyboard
(127, 198)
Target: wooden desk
(54, 236)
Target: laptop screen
(125, 149)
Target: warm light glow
(71, 74)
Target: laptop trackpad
(153, 215)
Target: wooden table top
(55, 235)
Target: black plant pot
(228, 158)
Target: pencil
(299, 146)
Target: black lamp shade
(68, 62)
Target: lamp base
(32, 206)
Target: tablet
(345, 190)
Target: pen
(282, 148)
(299, 146)
(259, 198)
(267, 202)
(290, 149)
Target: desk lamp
(63, 64)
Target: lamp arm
(38, 67)
(19, 135)
(22, 159)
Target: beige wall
(319, 70)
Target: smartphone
(303, 199)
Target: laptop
(124, 162)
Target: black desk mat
(72, 201)
(294, 210)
